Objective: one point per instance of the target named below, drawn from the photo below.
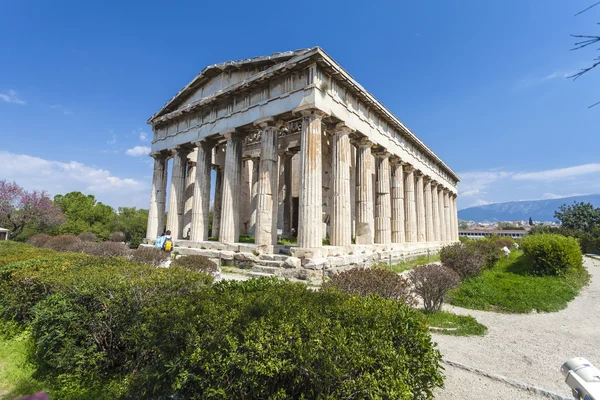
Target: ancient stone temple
(291, 146)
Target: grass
(16, 375)
(288, 241)
(508, 288)
(447, 323)
(246, 239)
(410, 264)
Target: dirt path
(529, 348)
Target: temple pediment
(215, 78)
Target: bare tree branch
(582, 11)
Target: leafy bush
(39, 240)
(149, 256)
(117, 237)
(102, 249)
(464, 259)
(431, 282)
(502, 241)
(61, 242)
(364, 281)
(552, 254)
(87, 237)
(197, 263)
(143, 332)
(488, 248)
(282, 340)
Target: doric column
(158, 196)
(383, 233)
(189, 197)
(218, 203)
(454, 218)
(364, 200)
(230, 221)
(419, 199)
(201, 198)
(397, 201)
(341, 223)
(245, 196)
(447, 216)
(253, 195)
(287, 198)
(428, 212)
(311, 189)
(436, 211)
(176, 197)
(442, 213)
(410, 205)
(265, 235)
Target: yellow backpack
(168, 245)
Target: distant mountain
(539, 210)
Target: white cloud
(560, 196)
(558, 174)
(138, 151)
(143, 136)
(11, 97)
(113, 140)
(469, 193)
(63, 177)
(474, 183)
(480, 202)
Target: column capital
(408, 168)
(265, 122)
(160, 155)
(343, 129)
(395, 160)
(232, 133)
(181, 149)
(206, 142)
(380, 152)
(362, 142)
(287, 152)
(310, 111)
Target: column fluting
(364, 201)
(341, 228)
(311, 185)
(397, 223)
(429, 232)
(230, 221)
(176, 197)
(383, 203)
(201, 198)
(436, 211)
(410, 205)
(267, 201)
(156, 211)
(447, 216)
(420, 201)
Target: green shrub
(488, 249)
(431, 282)
(364, 281)
(61, 242)
(149, 256)
(14, 251)
(463, 258)
(502, 241)
(39, 240)
(278, 339)
(197, 263)
(552, 254)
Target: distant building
(480, 233)
(4, 234)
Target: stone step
(267, 263)
(273, 271)
(259, 275)
(272, 257)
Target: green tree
(578, 216)
(84, 214)
(131, 221)
(530, 221)
(463, 225)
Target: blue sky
(481, 83)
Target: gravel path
(529, 348)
